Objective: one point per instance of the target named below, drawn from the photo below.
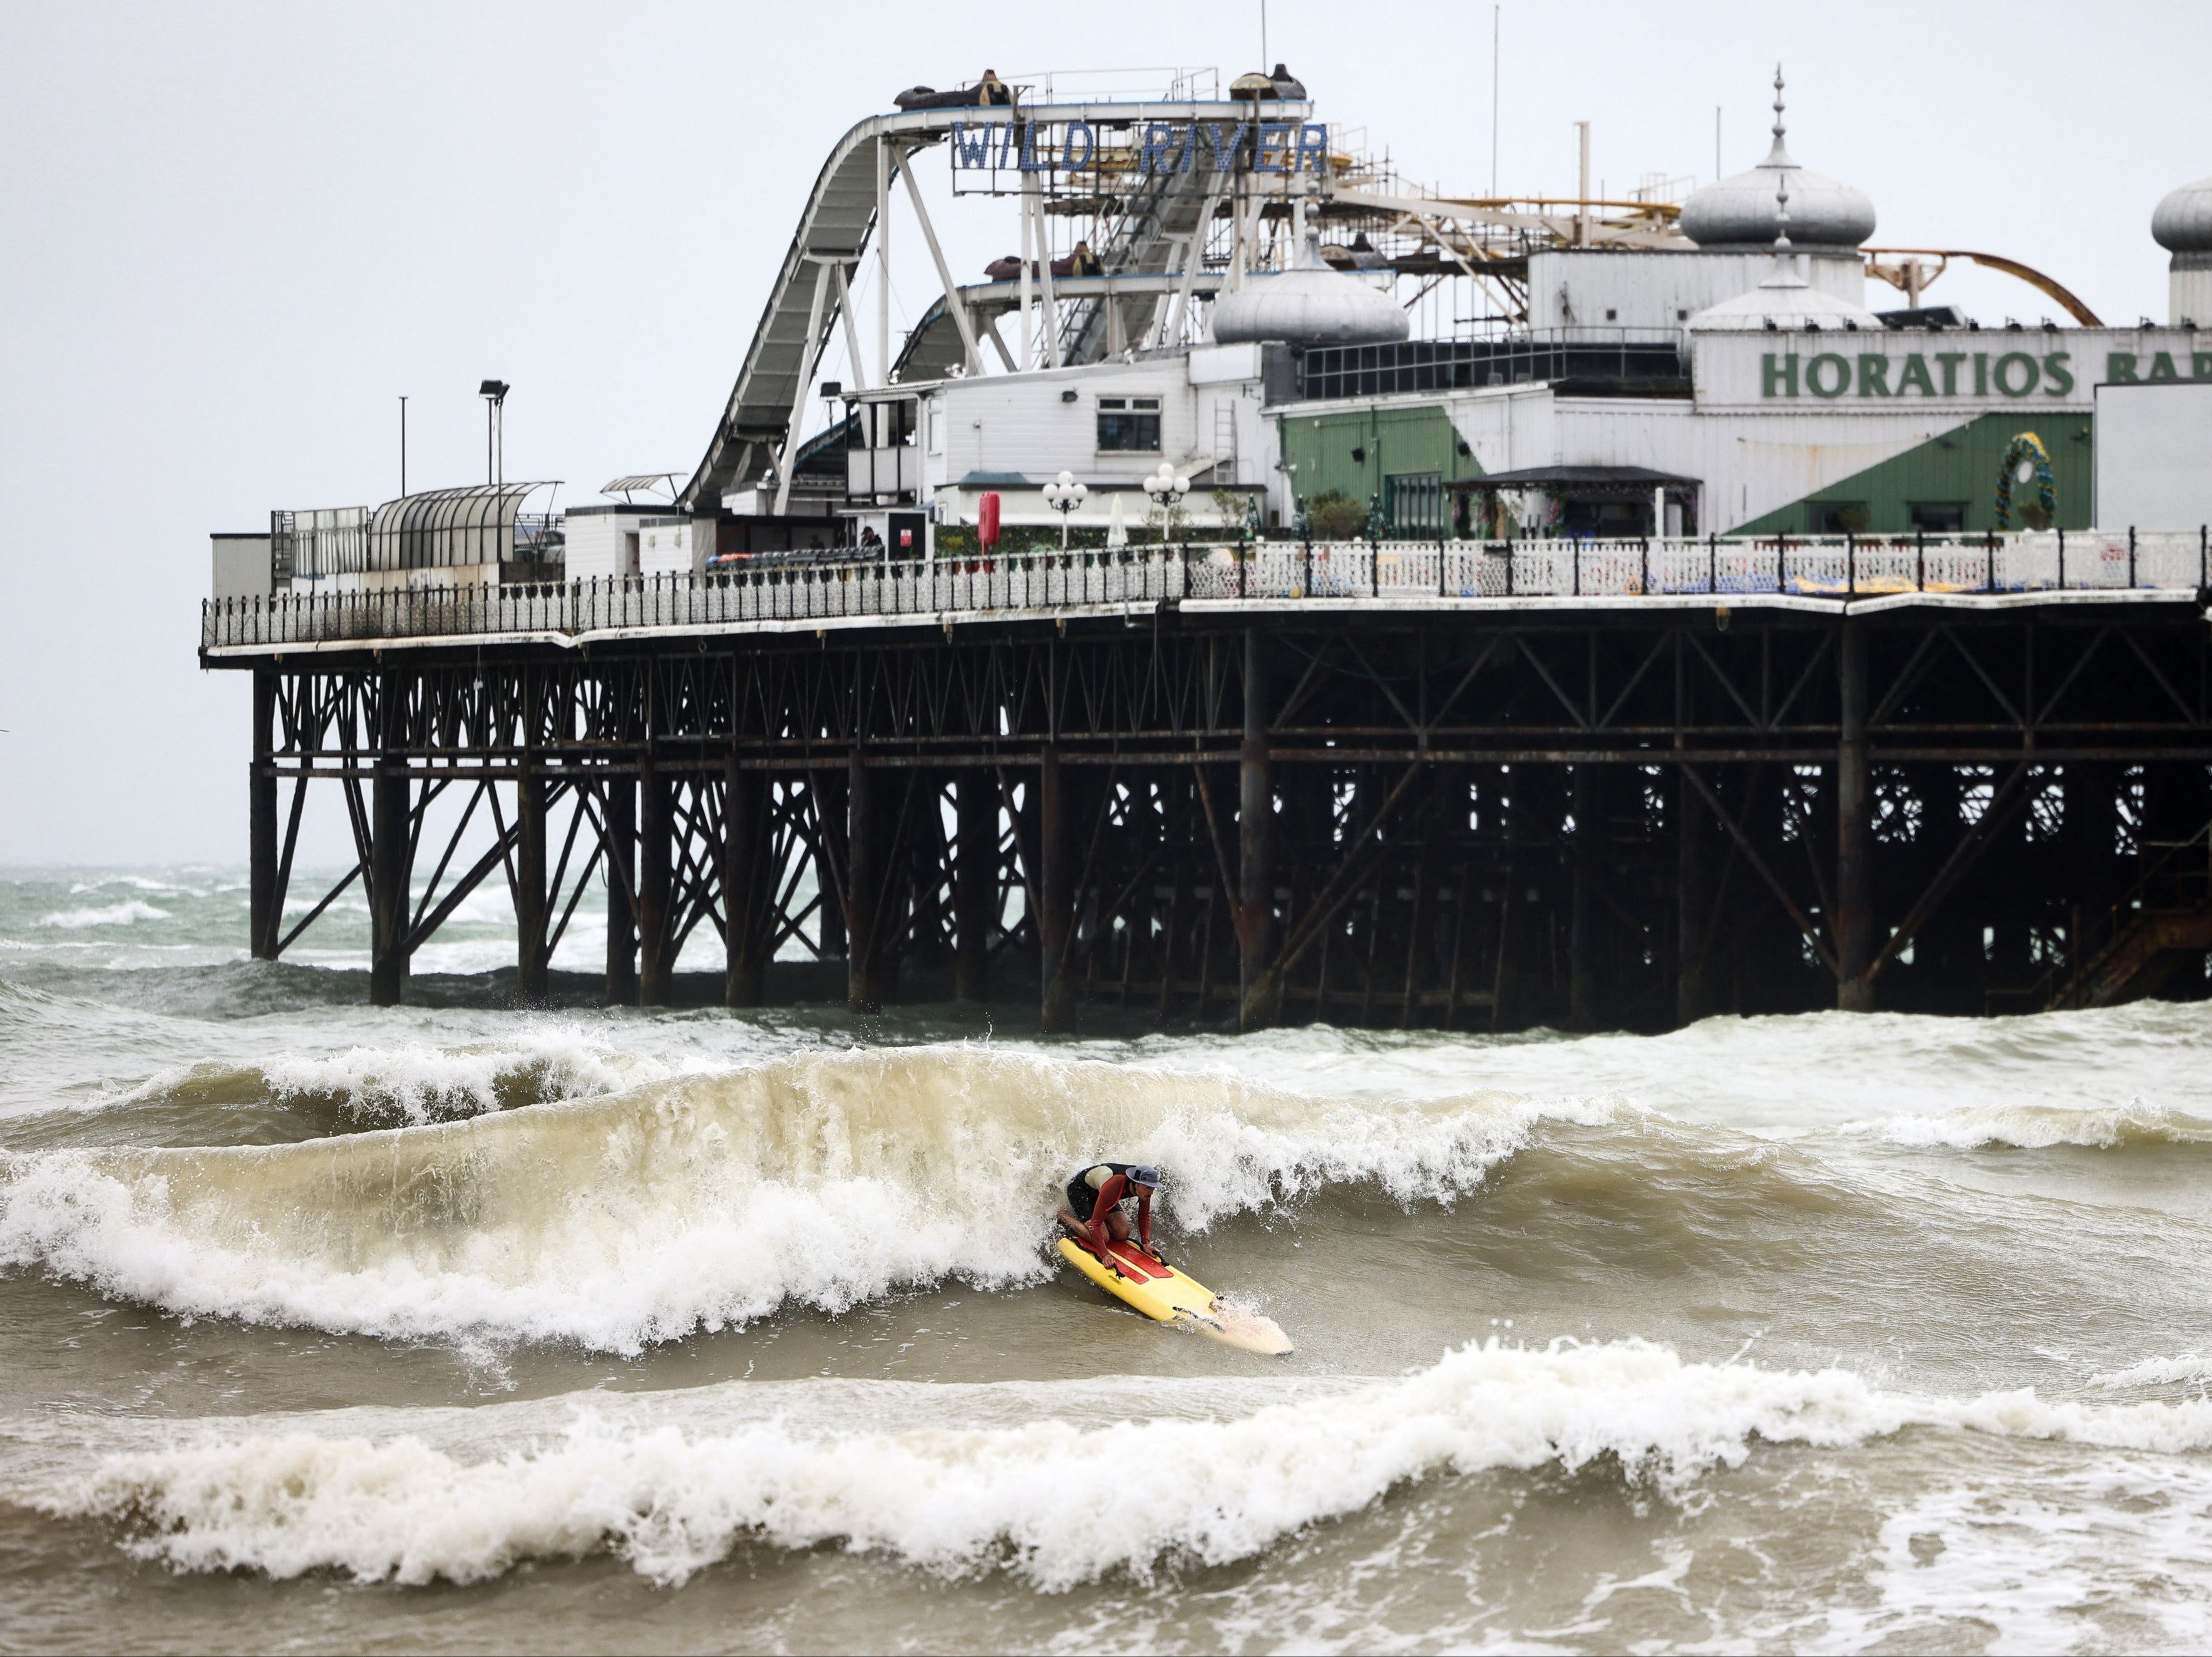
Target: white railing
(1396, 572)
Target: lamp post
(1167, 491)
(494, 392)
(1063, 495)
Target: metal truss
(1587, 815)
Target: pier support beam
(1260, 992)
(390, 830)
(622, 875)
(828, 788)
(1589, 808)
(2092, 832)
(265, 924)
(1055, 893)
(1694, 901)
(748, 887)
(656, 925)
(974, 880)
(863, 880)
(1853, 922)
(531, 962)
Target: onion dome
(1308, 305)
(1785, 301)
(1739, 212)
(2183, 222)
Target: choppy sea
(452, 1327)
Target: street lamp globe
(1063, 495)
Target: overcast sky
(232, 235)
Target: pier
(1665, 634)
(1591, 785)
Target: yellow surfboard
(1167, 1294)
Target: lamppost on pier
(1063, 495)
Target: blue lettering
(1313, 141)
(1158, 135)
(1083, 131)
(1029, 162)
(1274, 135)
(1224, 153)
(975, 152)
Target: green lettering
(2120, 367)
(2012, 360)
(1950, 359)
(1784, 375)
(1914, 373)
(1981, 374)
(2060, 376)
(2200, 365)
(1837, 382)
(2161, 366)
(1873, 374)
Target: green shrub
(1332, 515)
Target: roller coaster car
(987, 92)
(1080, 263)
(1359, 256)
(1259, 88)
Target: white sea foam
(136, 882)
(961, 1499)
(2040, 1127)
(111, 915)
(2107, 1556)
(2156, 1372)
(702, 1201)
(423, 1082)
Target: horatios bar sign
(1162, 147)
(1868, 370)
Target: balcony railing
(1398, 573)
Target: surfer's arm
(1144, 1218)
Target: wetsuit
(1098, 1190)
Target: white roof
(1784, 301)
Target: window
(1837, 518)
(1939, 517)
(936, 427)
(1129, 425)
(1414, 506)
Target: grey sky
(234, 234)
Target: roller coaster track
(835, 228)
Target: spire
(1784, 274)
(1779, 155)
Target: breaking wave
(106, 914)
(702, 1201)
(2042, 1127)
(2157, 1372)
(959, 1500)
(421, 1081)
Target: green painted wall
(1395, 440)
(1961, 465)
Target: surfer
(1096, 1210)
